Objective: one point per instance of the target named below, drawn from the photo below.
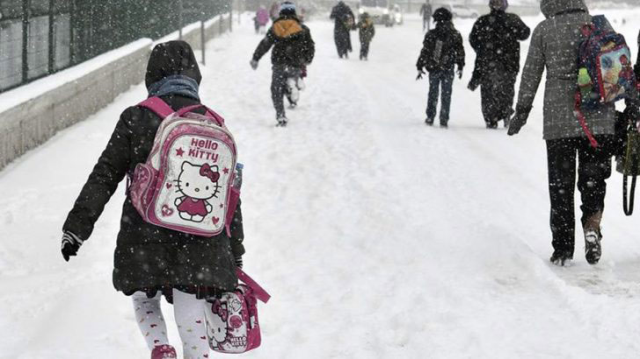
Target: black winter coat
(291, 41)
(150, 258)
(344, 22)
(442, 49)
(495, 38)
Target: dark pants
(438, 79)
(498, 91)
(279, 85)
(364, 49)
(594, 167)
(342, 38)
(426, 23)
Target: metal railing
(41, 37)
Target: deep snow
(376, 236)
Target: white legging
(189, 314)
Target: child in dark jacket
(442, 50)
(151, 261)
(367, 32)
(293, 50)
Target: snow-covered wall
(31, 114)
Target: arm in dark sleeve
(422, 59)
(474, 37)
(310, 46)
(264, 46)
(111, 168)
(237, 233)
(351, 13)
(459, 51)
(520, 29)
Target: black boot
(561, 258)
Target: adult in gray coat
(554, 47)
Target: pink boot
(164, 352)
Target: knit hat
(499, 4)
(442, 14)
(287, 8)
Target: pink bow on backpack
(205, 171)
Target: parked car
(378, 10)
(463, 12)
(397, 16)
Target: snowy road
(377, 236)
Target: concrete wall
(32, 122)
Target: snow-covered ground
(377, 236)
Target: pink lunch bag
(232, 320)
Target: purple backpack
(232, 320)
(186, 183)
(605, 70)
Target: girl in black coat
(151, 261)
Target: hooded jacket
(291, 41)
(451, 53)
(366, 29)
(147, 257)
(495, 38)
(555, 47)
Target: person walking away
(293, 50)
(262, 19)
(495, 39)
(442, 50)
(151, 261)
(425, 12)
(274, 11)
(555, 47)
(344, 23)
(366, 31)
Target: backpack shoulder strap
(158, 106)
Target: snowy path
(377, 236)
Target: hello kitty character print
(232, 319)
(226, 327)
(217, 325)
(198, 184)
(186, 183)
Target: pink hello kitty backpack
(186, 183)
(232, 320)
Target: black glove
(460, 72)
(420, 73)
(238, 261)
(70, 245)
(518, 120)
